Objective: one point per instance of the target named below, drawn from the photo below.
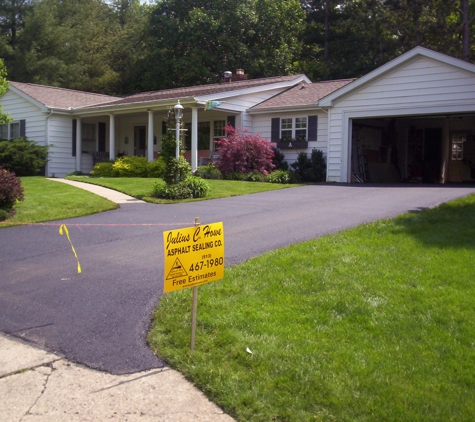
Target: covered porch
(99, 136)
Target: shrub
(23, 157)
(177, 170)
(191, 187)
(280, 176)
(11, 191)
(131, 167)
(234, 176)
(244, 153)
(208, 172)
(255, 176)
(104, 169)
(156, 168)
(199, 188)
(310, 169)
(76, 173)
(279, 159)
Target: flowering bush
(131, 167)
(104, 169)
(11, 191)
(244, 153)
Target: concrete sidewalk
(110, 194)
(39, 386)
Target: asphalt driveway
(100, 318)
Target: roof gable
(392, 65)
(301, 95)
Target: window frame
(13, 129)
(457, 139)
(219, 129)
(4, 128)
(296, 127)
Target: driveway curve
(100, 317)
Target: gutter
(288, 109)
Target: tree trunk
(327, 28)
(465, 29)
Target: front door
(140, 144)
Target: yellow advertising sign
(193, 256)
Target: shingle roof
(200, 90)
(303, 94)
(61, 98)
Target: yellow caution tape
(72, 247)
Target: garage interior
(418, 149)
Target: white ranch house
(412, 119)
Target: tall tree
(12, 15)
(194, 42)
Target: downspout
(47, 141)
(328, 138)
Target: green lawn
(47, 200)
(141, 188)
(376, 323)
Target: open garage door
(419, 149)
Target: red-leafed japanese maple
(244, 153)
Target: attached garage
(411, 120)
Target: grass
(376, 323)
(47, 200)
(141, 188)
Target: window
(294, 128)
(88, 131)
(298, 128)
(3, 131)
(286, 128)
(458, 140)
(219, 129)
(12, 130)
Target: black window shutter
(275, 129)
(74, 137)
(312, 128)
(231, 120)
(22, 128)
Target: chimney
(239, 76)
(227, 76)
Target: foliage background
(125, 46)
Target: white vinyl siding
(18, 109)
(60, 129)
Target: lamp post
(178, 109)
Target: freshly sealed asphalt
(100, 317)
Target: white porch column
(111, 136)
(194, 138)
(150, 136)
(78, 143)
